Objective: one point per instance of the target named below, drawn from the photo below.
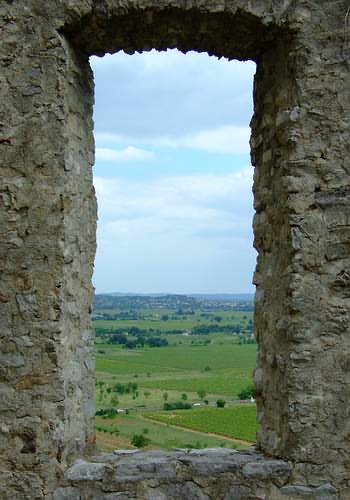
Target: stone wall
(214, 474)
(300, 147)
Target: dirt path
(203, 434)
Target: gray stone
(141, 468)
(86, 471)
(210, 465)
(238, 493)
(273, 469)
(326, 492)
(66, 494)
(112, 496)
(188, 491)
(124, 452)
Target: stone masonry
(300, 151)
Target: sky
(172, 173)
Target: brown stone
(31, 381)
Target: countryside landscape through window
(173, 310)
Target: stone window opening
(227, 168)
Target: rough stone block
(273, 469)
(86, 471)
(324, 492)
(66, 494)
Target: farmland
(152, 352)
(236, 422)
(160, 436)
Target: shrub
(247, 393)
(180, 405)
(139, 440)
(220, 403)
(107, 413)
(128, 388)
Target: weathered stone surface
(300, 149)
(273, 469)
(66, 494)
(176, 492)
(238, 493)
(86, 471)
(181, 474)
(112, 496)
(325, 491)
(134, 470)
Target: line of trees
(138, 341)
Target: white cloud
(226, 139)
(129, 153)
(223, 140)
(178, 233)
(188, 205)
(170, 93)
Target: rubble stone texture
(300, 150)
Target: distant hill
(223, 296)
(174, 301)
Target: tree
(179, 405)
(165, 396)
(114, 401)
(247, 393)
(201, 393)
(118, 338)
(184, 396)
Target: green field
(187, 322)
(216, 356)
(236, 422)
(160, 436)
(183, 368)
(229, 384)
(190, 367)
